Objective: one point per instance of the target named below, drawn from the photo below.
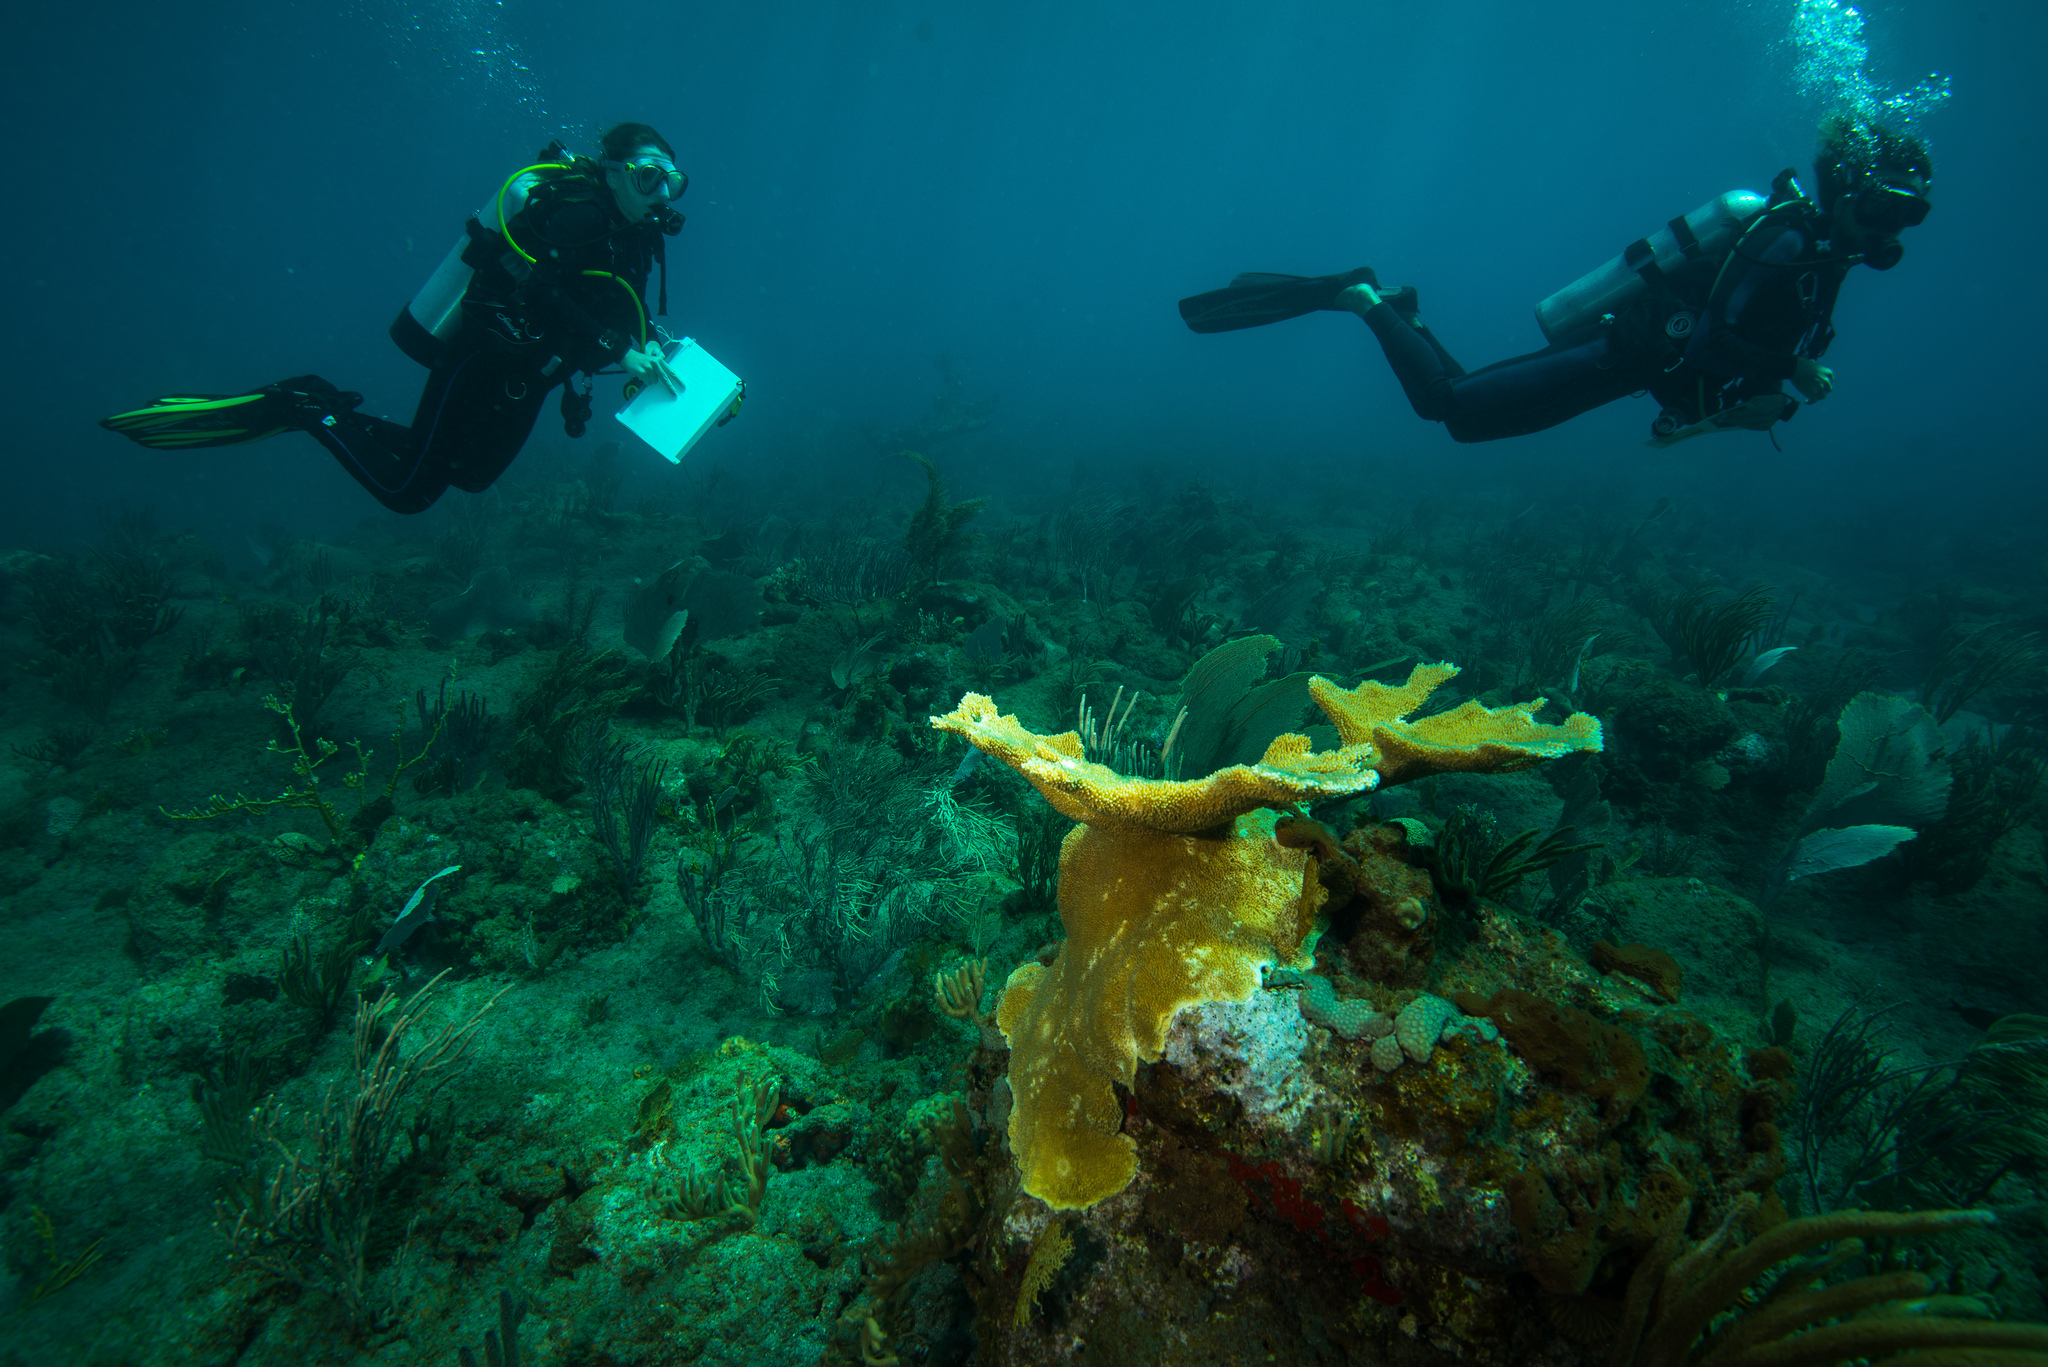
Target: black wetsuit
(525, 329)
(1770, 308)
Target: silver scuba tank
(1707, 231)
(437, 307)
(430, 320)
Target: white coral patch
(1251, 1050)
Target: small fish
(419, 910)
(968, 762)
(1579, 659)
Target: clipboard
(691, 394)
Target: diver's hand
(646, 364)
(1813, 379)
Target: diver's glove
(737, 400)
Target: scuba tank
(1706, 233)
(431, 319)
(429, 322)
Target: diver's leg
(1526, 394)
(497, 418)
(1418, 362)
(472, 418)
(389, 459)
(1404, 303)
(1443, 357)
(1507, 399)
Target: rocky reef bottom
(1489, 1190)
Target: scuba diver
(1711, 315)
(549, 286)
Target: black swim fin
(175, 421)
(1257, 298)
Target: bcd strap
(483, 245)
(1688, 240)
(1641, 258)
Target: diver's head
(640, 170)
(1873, 184)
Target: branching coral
(936, 528)
(1467, 859)
(1677, 1293)
(1712, 637)
(310, 1221)
(308, 756)
(959, 993)
(1974, 664)
(685, 1193)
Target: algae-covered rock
(1666, 726)
(1712, 933)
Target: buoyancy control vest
(427, 327)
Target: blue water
(213, 198)
(888, 196)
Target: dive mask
(654, 179)
(1890, 209)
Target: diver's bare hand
(1813, 379)
(645, 364)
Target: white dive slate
(672, 418)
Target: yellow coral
(1174, 894)
(1155, 923)
(1470, 738)
(1171, 896)
(1098, 795)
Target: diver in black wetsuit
(553, 289)
(1713, 337)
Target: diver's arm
(1717, 345)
